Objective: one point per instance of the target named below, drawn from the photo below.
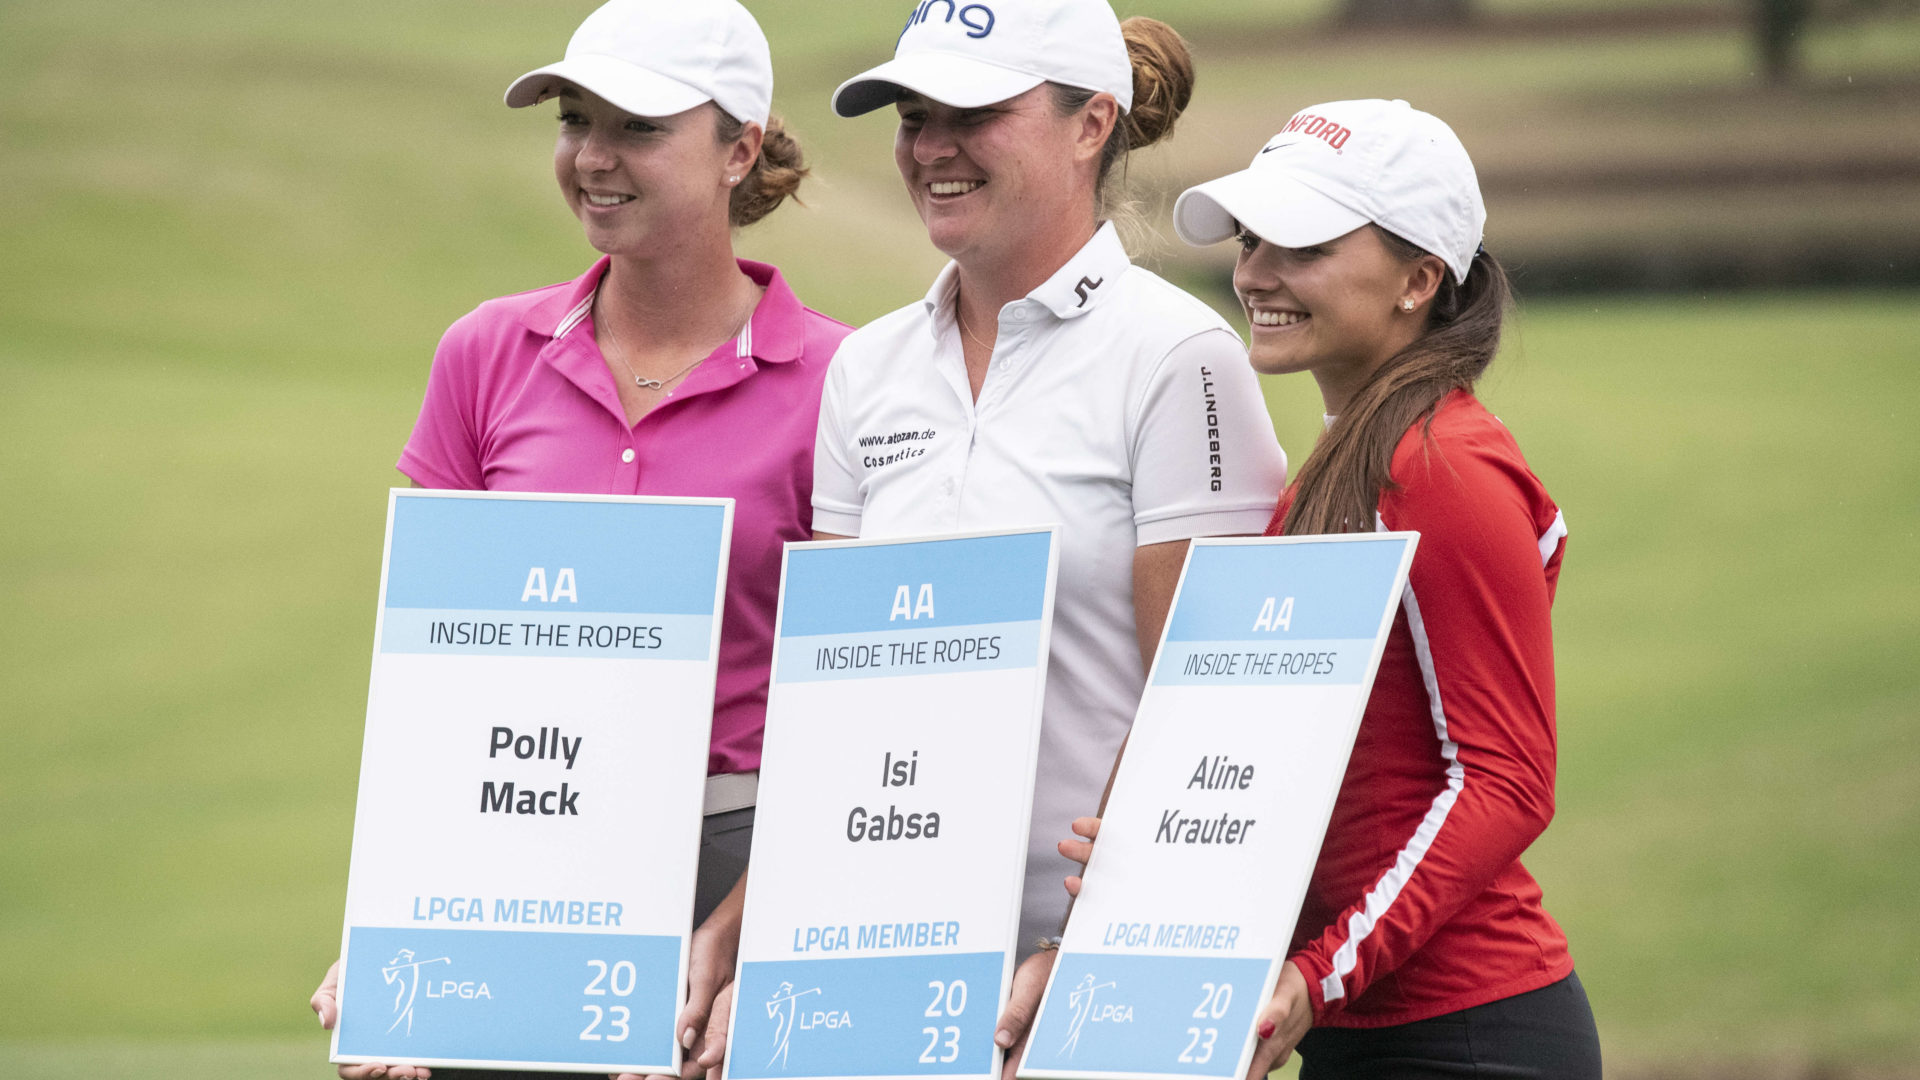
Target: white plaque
(1221, 801)
(889, 849)
(528, 825)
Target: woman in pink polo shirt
(668, 368)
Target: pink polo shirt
(520, 399)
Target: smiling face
(1335, 309)
(640, 183)
(992, 180)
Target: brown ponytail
(1162, 86)
(775, 175)
(1338, 489)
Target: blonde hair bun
(1162, 79)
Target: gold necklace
(968, 330)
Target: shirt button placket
(629, 473)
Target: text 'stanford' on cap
(661, 57)
(1338, 166)
(972, 54)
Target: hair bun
(775, 176)
(1162, 79)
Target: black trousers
(724, 842)
(1544, 1034)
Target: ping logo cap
(969, 53)
(661, 57)
(1341, 165)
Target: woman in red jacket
(1422, 949)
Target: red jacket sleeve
(1477, 607)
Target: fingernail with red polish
(1266, 1029)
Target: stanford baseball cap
(661, 57)
(1338, 166)
(971, 54)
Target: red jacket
(1419, 905)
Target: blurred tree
(1777, 24)
(1404, 12)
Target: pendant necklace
(654, 384)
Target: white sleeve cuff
(839, 522)
(1247, 521)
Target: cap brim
(633, 88)
(1276, 207)
(960, 81)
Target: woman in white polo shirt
(1045, 378)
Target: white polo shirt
(1116, 406)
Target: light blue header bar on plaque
(1284, 662)
(474, 554)
(1280, 593)
(928, 651)
(589, 635)
(947, 583)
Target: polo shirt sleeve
(836, 487)
(1205, 460)
(444, 449)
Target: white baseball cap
(661, 57)
(1338, 166)
(971, 54)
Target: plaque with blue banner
(896, 783)
(528, 824)
(1219, 807)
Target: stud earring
(1406, 305)
(733, 179)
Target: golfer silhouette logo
(403, 973)
(1081, 1001)
(783, 1009)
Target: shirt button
(1019, 314)
(626, 456)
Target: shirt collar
(940, 298)
(557, 314)
(1072, 291)
(1076, 288)
(776, 332)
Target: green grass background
(233, 231)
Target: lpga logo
(784, 1010)
(403, 972)
(1081, 1001)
